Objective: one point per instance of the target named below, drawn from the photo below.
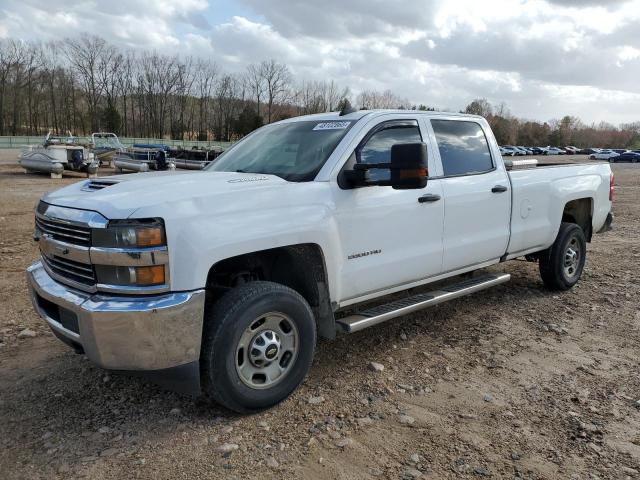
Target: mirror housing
(408, 165)
(408, 169)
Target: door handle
(499, 189)
(429, 197)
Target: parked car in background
(588, 151)
(554, 151)
(506, 152)
(620, 150)
(537, 150)
(604, 154)
(512, 149)
(523, 150)
(627, 156)
(571, 150)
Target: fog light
(153, 275)
(130, 276)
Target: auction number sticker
(332, 126)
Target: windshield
(294, 151)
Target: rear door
(477, 195)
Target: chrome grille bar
(61, 231)
(66, 271)
(81, 268)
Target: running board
(404, 306)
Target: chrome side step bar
(404, 306)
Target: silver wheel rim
(267, 350)
(572, 258)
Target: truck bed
(540, 192)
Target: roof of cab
(359, 114)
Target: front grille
(65, 232)
(76, 271)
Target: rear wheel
(258, 346)
(561, 265)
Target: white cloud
(152, 24)
(627, 53)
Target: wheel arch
(301, 267)
(580, 212)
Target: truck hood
(119, 196)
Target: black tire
(554, 271)
(225, 323)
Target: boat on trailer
(105, 146)
(57, 154)
(193, 158)
(142, 158)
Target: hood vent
(99, 184)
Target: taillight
(612, 188)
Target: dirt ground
(514, 382)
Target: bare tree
(87, 56)
(256, 82)
(6, 63)
(276, 79)
(159, 80)
(371, 99)
(206, 74)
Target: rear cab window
(463, 147)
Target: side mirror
(408, 165)
(408, 169)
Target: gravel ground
(514, 382)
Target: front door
(388, 237)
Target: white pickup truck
(219, 281)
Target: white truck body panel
(211, 216)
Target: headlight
(137, 234)
(130, 254)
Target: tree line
(86, 84)
(562, 132)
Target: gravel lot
(514, 382)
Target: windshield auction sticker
(332, 126)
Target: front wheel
(562, 263)
(258, 345)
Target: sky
(543, 58)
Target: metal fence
(20, 141)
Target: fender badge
(247, 179)
(364, 254)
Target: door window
(463, 147)
(377, 148)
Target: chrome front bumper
(122, 332)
